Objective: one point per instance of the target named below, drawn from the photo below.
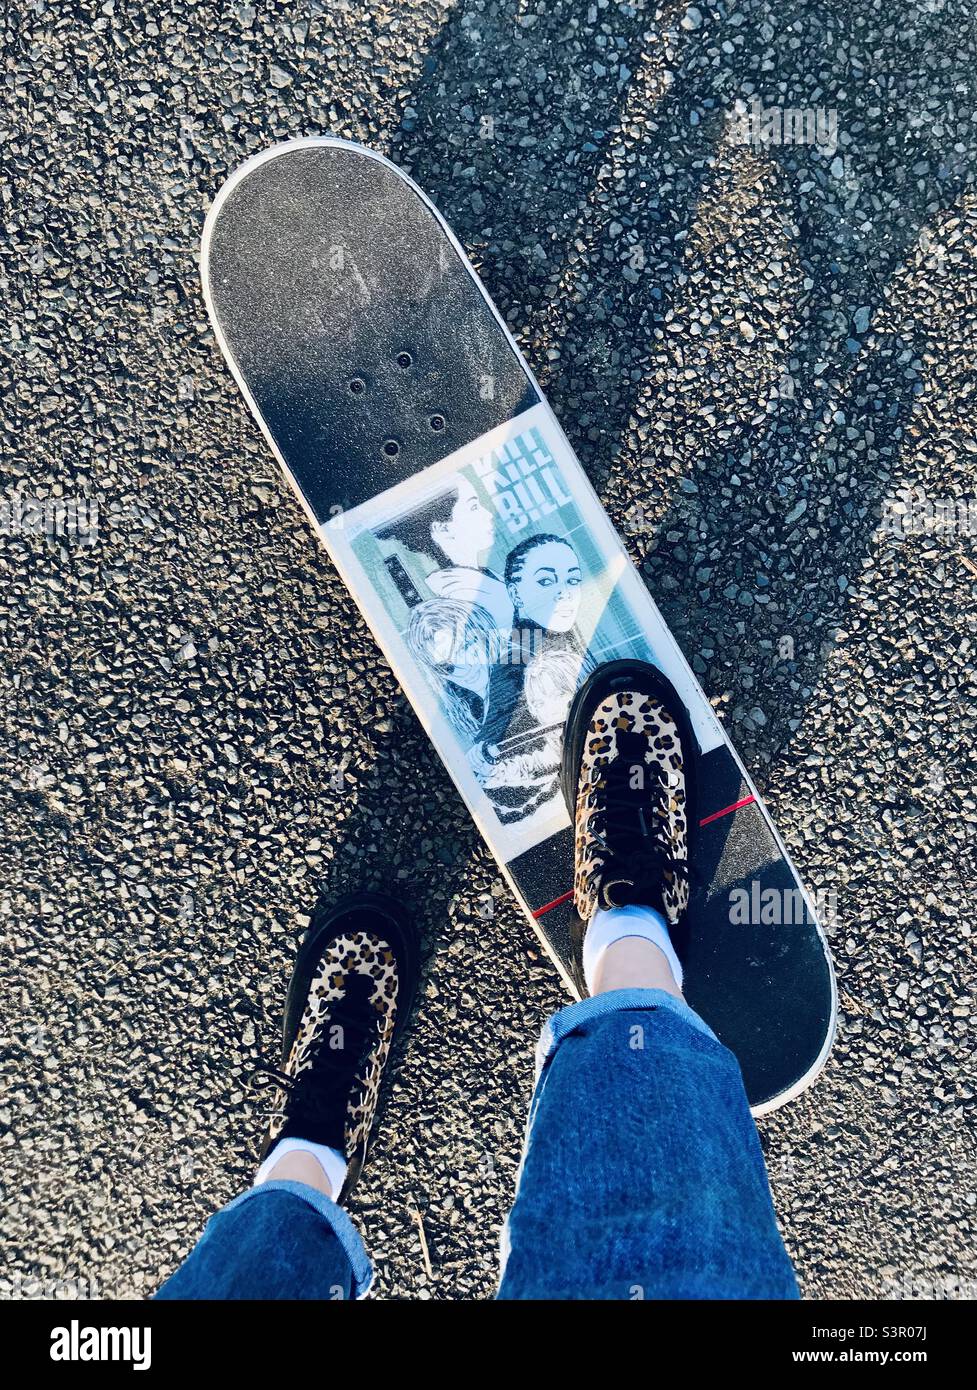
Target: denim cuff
(334, 1217)
(561, 1024)
(612, 1001)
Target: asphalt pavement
(763, 350)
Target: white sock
(610, 924)
(331, 1161)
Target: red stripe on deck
(727, 810)
(716, 815)
(555, 903)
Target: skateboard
(454, 508)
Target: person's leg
(281, 1240)
(351, 994)
(642, 1174)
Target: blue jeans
(641, 1177)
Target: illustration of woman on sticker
(456, 531)
(520, 771)
(517, 758)
(452, 642)
(543, 578)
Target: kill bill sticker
(495, 584)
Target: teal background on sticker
(605, 622)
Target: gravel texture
(752, 346)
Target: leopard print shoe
(629, 780)
(351, 994)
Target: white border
(306, 142)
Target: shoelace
(645, 857)
(312, 1093)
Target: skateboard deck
(451, 502)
